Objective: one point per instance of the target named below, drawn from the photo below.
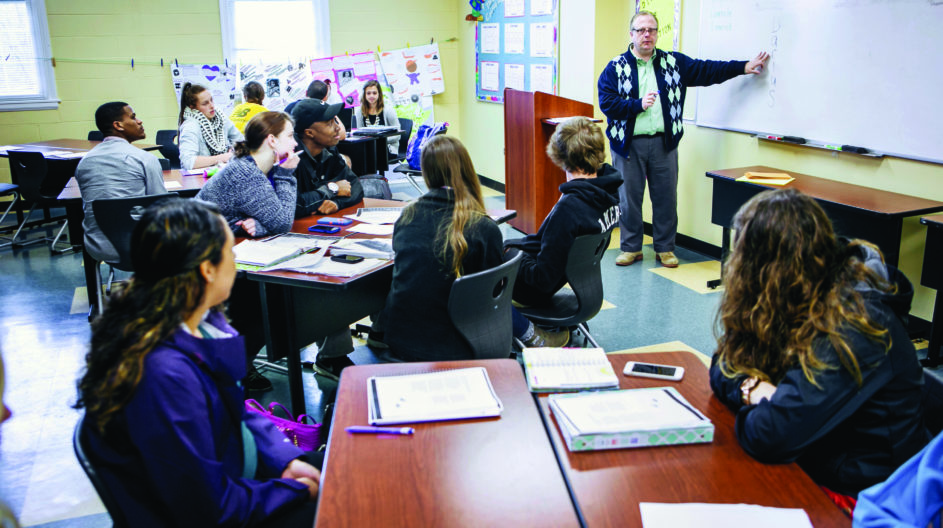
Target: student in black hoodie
(590, 204)
(814, 357)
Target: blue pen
(369, 429)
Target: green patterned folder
(628, 418)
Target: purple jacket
(173, 456)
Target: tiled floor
(44, 335)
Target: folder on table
(432, 396)
(766, 178)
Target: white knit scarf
(212, 130)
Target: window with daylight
(301, 30)
(26, 77)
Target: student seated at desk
(372, 112)
(165, 424)
(115, 169)
(814, 356)
(252, 94)
(206, 138)
(325, 181)
(256, 196)
(589, 205)
(444, 234)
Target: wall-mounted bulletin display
(516, 46)
(348, 72)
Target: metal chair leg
(22, 225)
(52, 247)
(16, 196)
(589, 337)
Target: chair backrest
(584, 274)
(111, 504)
(480, 308)
(116, 217)
(164, 163)
(346, 115)
(168, 149)
(407, 126)
(95, 135)
(29, 170)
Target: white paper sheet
(541, 7)
(172, 185)
(513, 8)
(514, 38)
(490, 76)
(371, 229)
(541, 39)
(514, 76)
(541, 78)
(490, 38)
(659, 515)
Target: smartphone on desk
(326, 229)
(347, 259)
(651, 370)
(334, 221)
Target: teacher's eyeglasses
(653, 31)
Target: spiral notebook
(432, 396)
(568, 369)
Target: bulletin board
(219, 79)
(516, 46)
(284, 82)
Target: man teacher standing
(642, 94)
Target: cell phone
(651, 370)
(347, 259)
(334, 221)
(324, 229)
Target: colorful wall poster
(348, 73)
(413, 72)
(283, 82)
(219, 79)
(516, 46)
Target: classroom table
(485, 472)
(855, 211)
(71, 199)
(77, 145)
(608, 485)
(932, 277)
(301, 308)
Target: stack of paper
(377, 215)
(661, 515)
(767, 178)
(432, 396)
(563, 369)
(381, 248)
(628, 418)
(278, 248)
(372, 130)
(317, 264)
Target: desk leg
(934, 358)
(724, 249)
(280, 339)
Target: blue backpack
(419, 140)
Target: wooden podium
(531, 179)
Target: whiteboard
(867, 73)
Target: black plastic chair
(9, 189)
(575, 306)
(168, 149)
(95, 135)
(116, 217)
(31, 172)
(480, 308)
(164, 163)
(346, 115)
(111, 504)
(406, 126)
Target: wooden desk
(71, 199)
(607, 486)
(856, 212)
(487, 472)
(932, 277)
(78, 145)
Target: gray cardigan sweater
(191, 141)
(242, 191)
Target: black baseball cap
(309, 111)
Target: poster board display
(348, 72)
(413, 73)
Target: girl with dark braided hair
(165, 423)
(814, 354)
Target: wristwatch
(333, 187)
(746, 388)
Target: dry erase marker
(369, 429)
(774, 138)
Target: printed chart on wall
(669, 20)
(219, 79)
(414, 76)
(283, 82)
(516, 46)
(348, 73)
